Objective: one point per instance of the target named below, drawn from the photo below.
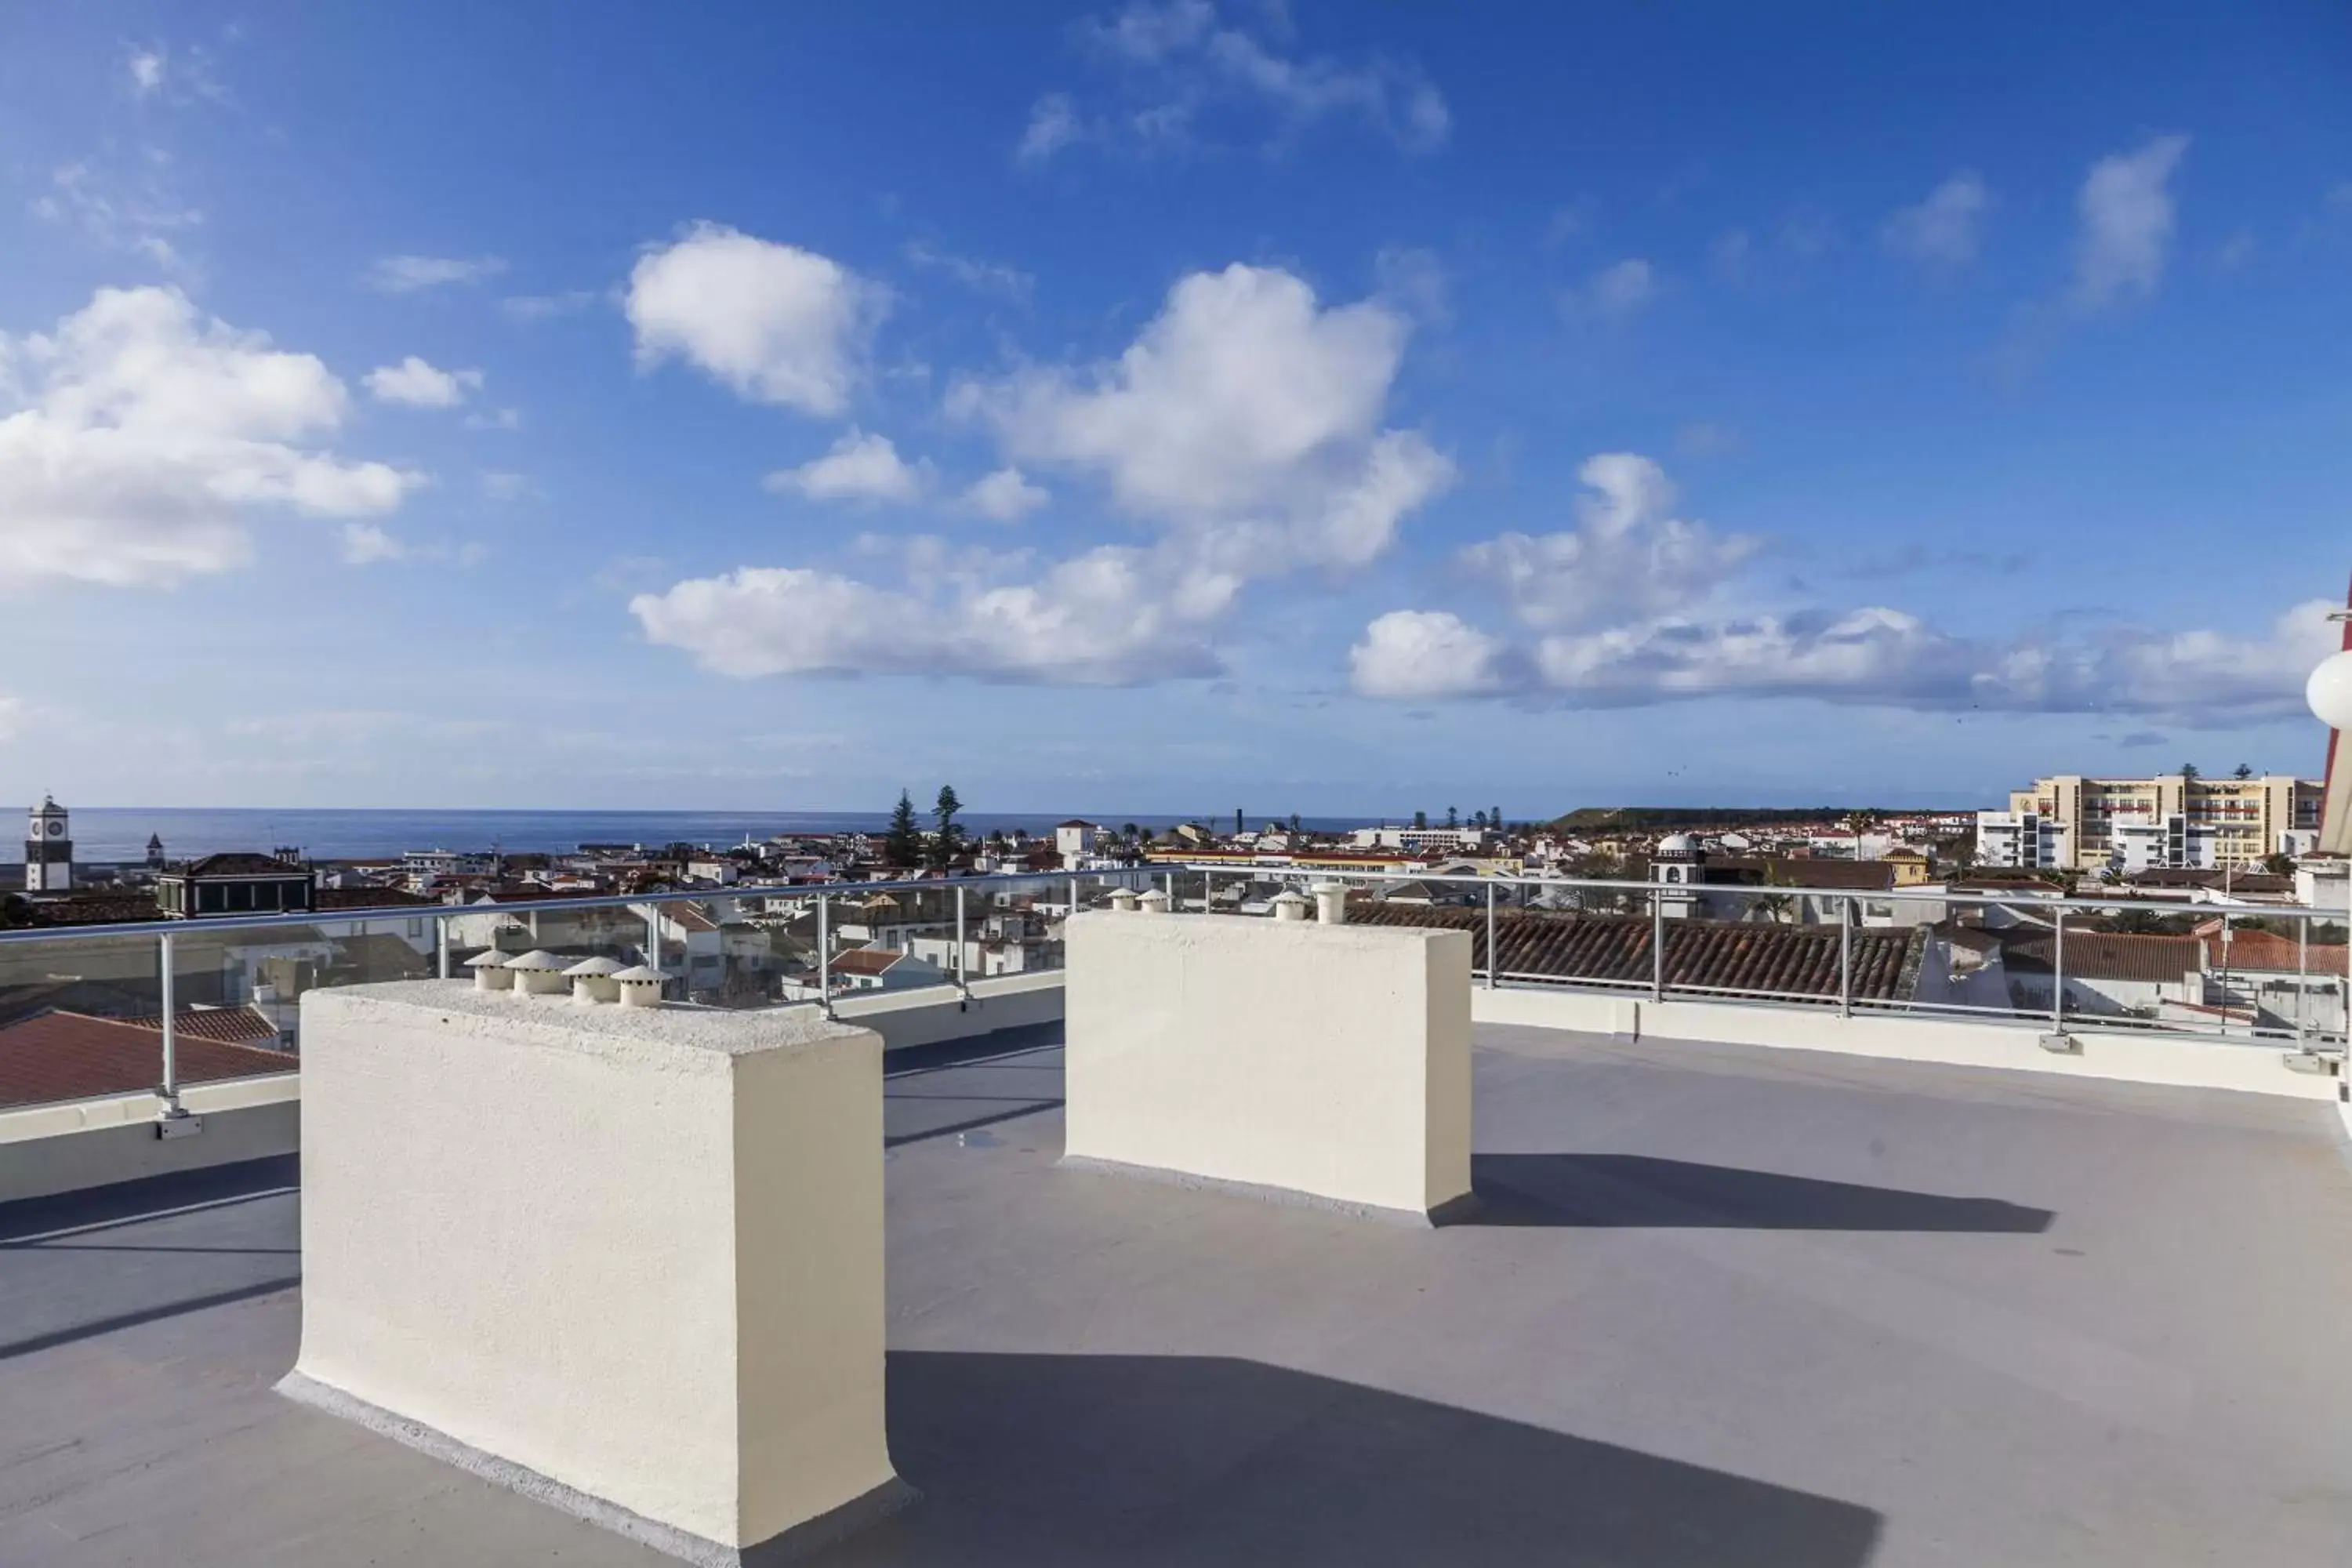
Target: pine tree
(943, 847)
(902, 846)
(1452, 817)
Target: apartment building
(2020, 840)
(2238, 822)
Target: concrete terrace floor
(1725, 1306)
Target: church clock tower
(48, 850)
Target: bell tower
(48, 850)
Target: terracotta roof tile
(2106, 956)
(1702, 956)
(234, 1024)
(72, 1055)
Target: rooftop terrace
(1724, 1305)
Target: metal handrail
(541, 905)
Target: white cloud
(122, 202)
(858, 468)
(1105, 617)
(1625, 558)
(777, 323)
(1005, 496)
(1942, 233)
(1620, 613)
(414, 384)
(1245, 413)
(1421, 654)
(147, 68)
(1618, 293)
(411, 274)
(1180, 62)
(365, 544)
(2126, 209)
(1053, 125)
(1244, 425)
(138, 436)
(1872, 657)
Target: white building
(2021, 838)
(2169, 843)
(1076, 839)
(48, 851)
(1415, 840)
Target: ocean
(102, 834)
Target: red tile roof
(235, 1025)
(1704, 955)
(864, 961)
(72, 1055)
(2268, 953)
(2106, 956)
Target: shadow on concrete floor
(129, 1201)
(1185, 1459)
(1637, 1190)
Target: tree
(1126, 831)
(1495, 818)
(943, 847)
(1293, 822)
(1421, 819)
(1452, 817)
(902, 846)
(1478, 819)
(2188, 770)
(2242, 771)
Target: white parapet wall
(2133, 1057)
(1326, 1062)
(627, 1260)
(80, 1143)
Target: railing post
(1208, 892)
(653, 936)
(1657, 946)
(1490, 936)
(963, 980)
(170, 1090)
(441, 946)
(2302, 981)
(1845, 958)
(824, 952)
(2058, 977)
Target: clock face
(56, 829)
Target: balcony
(1726, 1302)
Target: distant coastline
(103, 835)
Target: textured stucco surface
(637, 1252)
(1328, 1061)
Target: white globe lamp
(2329, 691)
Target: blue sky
(1325, 408)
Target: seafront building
(2174, 820)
